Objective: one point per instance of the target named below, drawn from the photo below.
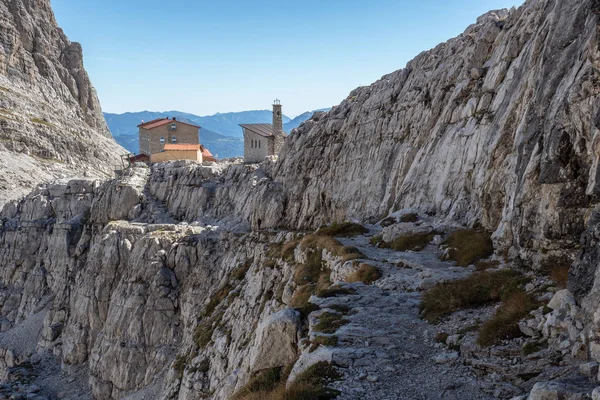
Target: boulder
(276, 341)
(561, 298)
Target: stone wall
(171, 155)
(256, 147)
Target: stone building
(155, 134)
(262, 140)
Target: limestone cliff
(51, 123)
(165, 282)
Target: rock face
(497, 126)
(166, 280)
(51, 123)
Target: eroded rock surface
(51, 123)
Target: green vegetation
(479, 289)
(344, 229)
(530, 348)
(375, 240)
(310, 385)
(180, 363)
(203, 333)
(312, 277)
(325, 341)
(264, 381)
(329, 322)
(468, 245)
(3, 89)
(365, 273)
(341, 308)
(217, 298)
(504, 324)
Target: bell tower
(277, 126)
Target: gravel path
(386, 350)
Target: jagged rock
(445, 358)
(562, 298)
(556, 390)
(589, 369)
(276, 341)
(51, 123)
(141, 299)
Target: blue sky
(204, 57)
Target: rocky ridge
(51, 123)
(172, 282)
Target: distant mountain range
(220, 133)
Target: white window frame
(162, 140)
(173, 139)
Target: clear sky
(208, 56)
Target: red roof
(206, 155)
(160, 122)
(182, 147)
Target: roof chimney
(174, 118)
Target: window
(259, 144)
(162, 140)
(173, 139)
(173, 126)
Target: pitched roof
(264, 130)
(182, 147)
(206, 155)
(160, 122)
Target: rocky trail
(385, 350)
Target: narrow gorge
(314, 272)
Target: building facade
(262, 140)
(155, 134)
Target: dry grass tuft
(468, 245)
(484, 265)
(333, 246)
(333, 291)
(411, 217)
(365, 273)
(479, 289)
(440, 337)
(344, 229)
(325, 340)
(310, 385)
(217, 298)
(414, 242)
(240, 272)
(560, 275)
(287, 251)
(504, 324)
